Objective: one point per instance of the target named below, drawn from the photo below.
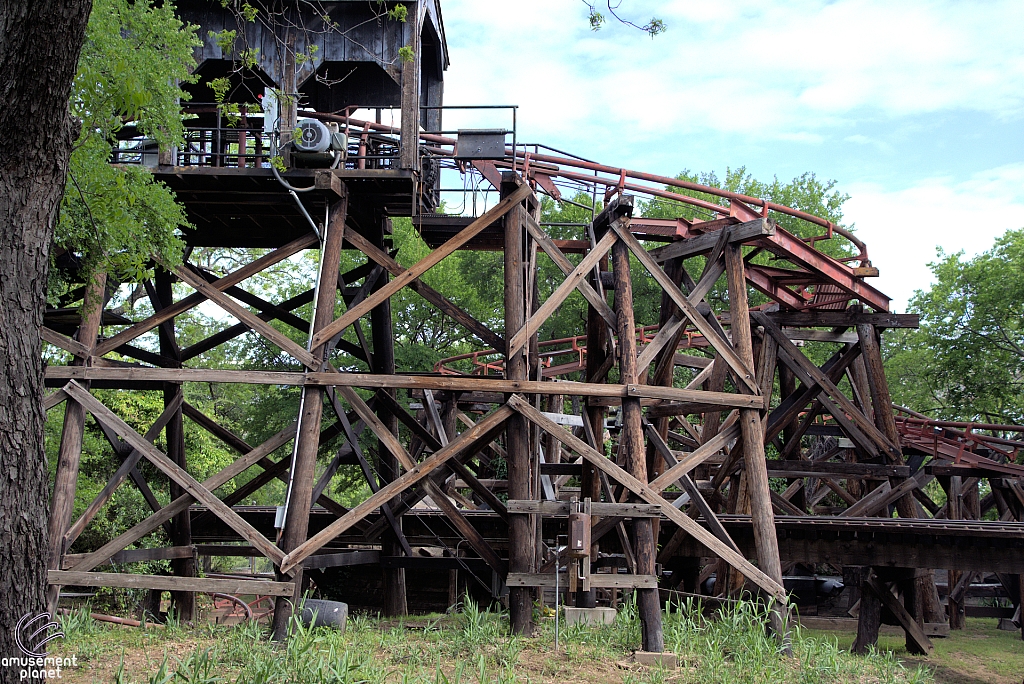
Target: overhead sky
(915, 108)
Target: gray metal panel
(481, 144)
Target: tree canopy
(118, 217)
(967, 360)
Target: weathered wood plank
(741, 232)
(598, 580)
(598, 508)
(432, 382)
(138, 555)
(169, 583)
(64, 342)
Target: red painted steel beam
(790, 247)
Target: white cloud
(903, 228)
(740, 66)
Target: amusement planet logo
(32, 634)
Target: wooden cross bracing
(703, 437)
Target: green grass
(980, 654)
(471, 646)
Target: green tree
(966, 362)
(117, 218)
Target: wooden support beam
(730, 432)
(598, 508)
(64, 342)
(428, 293)
(234, 331)
(139, 555)
(720, 344)
(810, 374)
(127, 466)
(688, 486)
(844, 319)
(752, 431)
(915, 634)
(69, 453)
(649, 495)
(175, 472)
(741, 232)
(307, 438)
(573, 281)
(483, 431)
(598, 580)
(182, 503)
(390, 442)
(161, 295)
(566, 267)
(352, 442)
(435, 445)
(631, 437)
(517, 441)
(451, 383)
(383, 335)
(166, 583)
(422, 266)
(245, 316)
(183, 305)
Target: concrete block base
(666, 660)
(589, 616)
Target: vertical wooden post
(954, 511)
(881, 401)
(664, 373)
(870, 618)
(70, 454)
(597, 354)
(410, 145)
(752, 431)
(787, 387)
(631, 443)
(395, 602)
(288, 102)
(300, 482)
(517, 435)
(184, 602)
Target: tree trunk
(39, 46)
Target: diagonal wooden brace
(481, 432)
(724, 349)
(649, 495)
(175, 472)
(422, 266)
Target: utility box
(481, 143)
(579, 535)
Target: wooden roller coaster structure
(661, 432)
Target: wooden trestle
(687, 477)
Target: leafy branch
(597, 20)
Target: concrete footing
(589, 616)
